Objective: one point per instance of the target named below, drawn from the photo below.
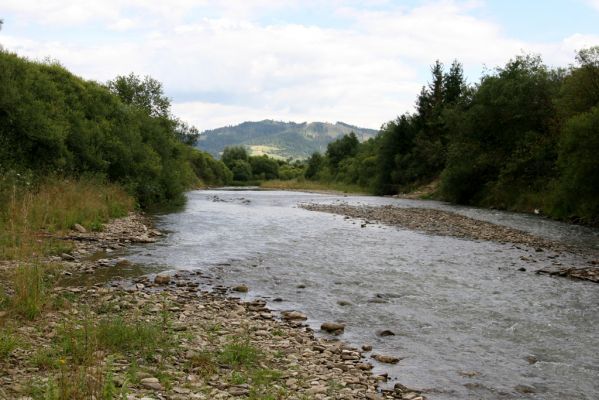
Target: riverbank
(444, 223)
(313, 187)
(160, 336)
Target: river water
(468, 323)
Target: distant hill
(279, 139)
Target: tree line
(53, 123)
(524, 137)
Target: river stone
(241, 288)
(525, 389)
(386, 359)
(367, 347)
(332, 327)
(79, 228)
(385, 333)
(293, 316)
(151, 383)
(162, 279)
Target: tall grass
(30, 216)
(29, 291)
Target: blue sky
(362, 62)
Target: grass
(239, 353)
(30, 289)
(295, 184)
(8, 342)
(30, 217)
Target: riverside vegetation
(79, 161)
(524, 137)
(77, 157)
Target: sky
(223, 62)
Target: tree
(185, 133)
(346, 146)
(241, 169)
(264, 167)
(578, 189)
(233, 153)
(314, 165)
(146, 93)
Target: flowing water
(469, 324)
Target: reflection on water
(469, 324)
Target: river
(468, 323)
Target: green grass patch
(8, 343)
(239, 353)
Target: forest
(56, 125)
(525, 137)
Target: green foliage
(264, 167)
(315, 163)
(242, 170)
(523, 138)
(578, 186)
(53, 122)
(340, 149)
(232, 154)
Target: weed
(141, 337)
(237, 378)
(45, 359)
(203, 364)
(8, 342)
(29, 291)
(239, 353)
(278, 332)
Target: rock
(531, 359)
(385, 333)
(293, 316)
(522, 269)
(79, 228)
(367, 347)
(386, 359)
(344, 303)
(332, 327)
(318, 389)
(162, 279)
(238, 391)
(241, 288)
(525, 389)
(67, 257)
(122, 263)
(151, 383)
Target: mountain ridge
(279, 139)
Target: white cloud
(594, 4)
(224, 66)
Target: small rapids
(468, 323)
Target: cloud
(223, 64)
(594, 4)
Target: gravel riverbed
(444, 223)
(219, 347)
